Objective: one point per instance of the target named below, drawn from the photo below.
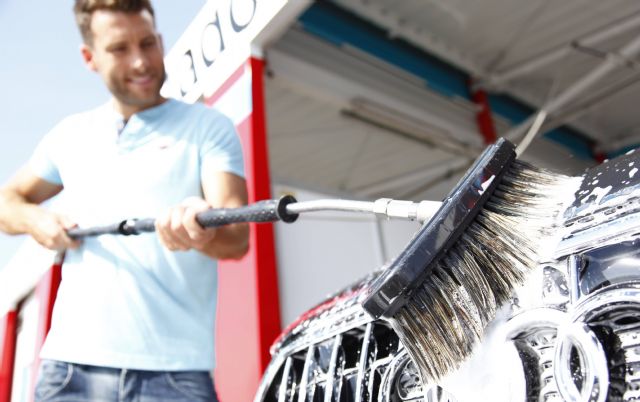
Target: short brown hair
(83, 9)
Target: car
(571, 332)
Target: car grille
(347, 367)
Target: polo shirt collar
(140, 123)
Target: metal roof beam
(401, 28)
(497, 80)
(567, 115)
(612, 61)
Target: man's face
(127, 53)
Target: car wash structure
(351, 99)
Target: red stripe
(7, 354)
(248, 304)
(269, 308)
(233, 78)
(484, 117)
(46, 292)
(599, 156)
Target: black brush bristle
(440, 294)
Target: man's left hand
(178, 229)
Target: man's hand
(178, 229)
(50, 230)
(20, 212)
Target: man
(134, 316)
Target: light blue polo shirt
(125, 301)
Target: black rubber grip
(78, 233)
(262, 211)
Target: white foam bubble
(599, 193)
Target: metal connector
(383, 207)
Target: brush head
(393, 288)
(441, 292)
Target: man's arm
(178, 229)
(20, 213)
(227, 191)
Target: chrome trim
(573, 268)
(284, 384)
(363, 374)
(591, 358)
(331, 372)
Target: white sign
(215, 45)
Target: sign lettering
(215, 45)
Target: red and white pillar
(45, 294)
(484, 118)
(248, 306)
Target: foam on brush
(474, 254)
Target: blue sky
(43, 79)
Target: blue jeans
(70, 382)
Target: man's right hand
(20, 212)
(50, 230)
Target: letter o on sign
(212, 42)
(242, 12)
(188, 76)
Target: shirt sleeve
(42, 162)
(221, 150)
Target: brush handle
(262, 211)
(79, 233)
